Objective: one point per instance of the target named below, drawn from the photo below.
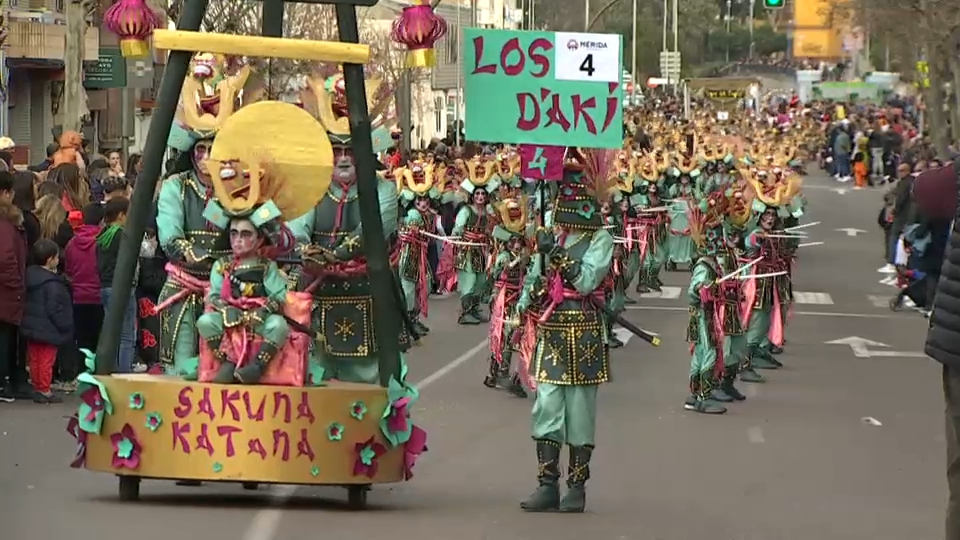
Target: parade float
(258, 406)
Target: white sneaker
(888, 269)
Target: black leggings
(12, 358)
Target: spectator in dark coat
(24, 198)
(13, 261)
(45, 164)
(935, 193)
(47, 318)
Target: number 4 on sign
(587, 65)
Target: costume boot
(690, 403)
(490, 381)
(421, 328)
(726, 384)
(717, 392)
(760, 359)
(747, 373)
(516, 388)
(642, 286)
(467, 308)
(546, 498)
(225, 372)
(612, 340)
(655, 283)
(251, 372)
(704, 403)
(578, 472)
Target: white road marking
(623, 334)
(879, 301)
(666, 293)
(889, 280)
(851, 231)
(801, 313)
(819, 298)
(755, 434)
(266, 522)
(871, 421)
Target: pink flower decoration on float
(80, 454)
(416, 445)
(126, 449)
(368, 455)
(399, 418)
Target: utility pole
(74, 96)
(636, 49)
(727, 20)
(753, 44)
(586, 15)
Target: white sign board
(587, 57)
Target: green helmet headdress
(586, 177)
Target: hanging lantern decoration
(133, 22)
(417, 29)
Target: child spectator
(53, 221)
(81, 269)
(115, 186)
(47, 319)
(152, 277)
(108, 247)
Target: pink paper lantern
(133, 22)
(418, 28)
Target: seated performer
(247, 292)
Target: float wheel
(129, 488)
(357, 497)
(252, 486)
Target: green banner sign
(546, 88)
(109, 71)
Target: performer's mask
(480, 196)
(201, 151)
(344, 169)
(422, 203)
(244, 238)
(624, 204)
(768, 219)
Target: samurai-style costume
(508, 272)
(331, 242)
(472, 227)
(571, 359)
(682, 192)
(190, 243)
(652, 223)
(768, 294)
(247, 293)
(420, 187)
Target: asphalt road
(802, 459)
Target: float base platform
(251, 434)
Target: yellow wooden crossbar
(267, 47)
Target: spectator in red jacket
(80, 267)
(13, 260)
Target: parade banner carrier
(548, 88)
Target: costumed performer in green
(509, 269)
(331, 243)
(571, 360)
(209, 98)
(472, 245)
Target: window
(59, 6)
(439, 113)
(452, 46)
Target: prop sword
(649, 337)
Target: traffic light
(773, 4)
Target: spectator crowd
(61, 224)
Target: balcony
(36, 40)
